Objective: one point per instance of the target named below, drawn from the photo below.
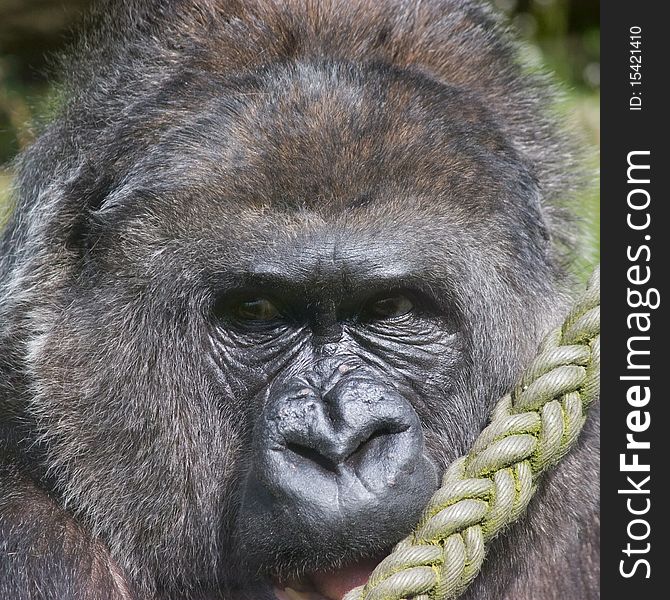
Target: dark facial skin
(338, 446)
(253, 303)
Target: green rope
(489, 488)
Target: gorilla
(267, 271)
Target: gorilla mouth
(340, 474)
(325, 585)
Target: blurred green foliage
(562, 35)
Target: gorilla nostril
(358, 455)
(313, 456)
(331, 454)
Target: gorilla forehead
(272, 249)
(326, 136)
(345, 161)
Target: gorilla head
(267, 274)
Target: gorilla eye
(256, 309)
(389, 307)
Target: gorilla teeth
(290, 594)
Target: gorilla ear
(536, 217)
(543, 223)
(84, 196)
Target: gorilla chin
(339, 475)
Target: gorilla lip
(326, 585)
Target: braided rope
(482, 492)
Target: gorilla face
(338, 461)
(285, 307)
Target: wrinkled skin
(267, 273)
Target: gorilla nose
(333, 444)
(338, 453)
(353, 421)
